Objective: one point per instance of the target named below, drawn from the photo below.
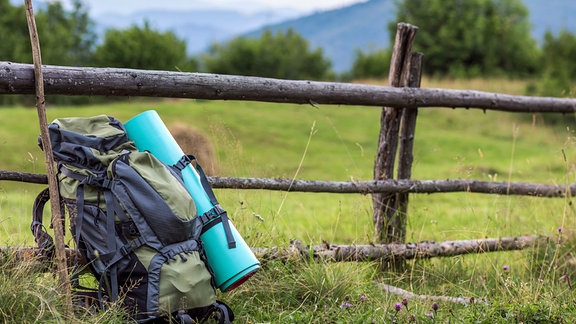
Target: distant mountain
(363, 26)
(339, 32)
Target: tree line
(472, 38)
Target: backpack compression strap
(216, 211)
(115, 253)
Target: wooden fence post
(405, 151)
(386, 217)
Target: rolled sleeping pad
(228, 255)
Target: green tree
(558, 78)
(371, 65)
(66, 37)
(142, 48)
(282, 55)
(15, 44)
(83, 36)
(471, 37)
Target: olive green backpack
(133, 222)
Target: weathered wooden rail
(337, 252)
(17, 78)
(362, 187)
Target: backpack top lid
(99, 147)
(98, 126)
(91, 142)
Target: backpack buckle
(212, 214)
(131, 246)
(129, 229)
(182, 163)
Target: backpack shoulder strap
(41, 237)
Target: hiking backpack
(133, 222)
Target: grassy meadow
(339, 143)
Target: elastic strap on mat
(216, 211)
(216, 216)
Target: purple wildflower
(430, 314)
(362, 298)
(398, 307)
(405, 303)
(506, 268)
(434, 307)
(559, 229)
(345, 305)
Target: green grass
(270, 140)
(339, 143)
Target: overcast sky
(98, 7)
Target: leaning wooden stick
(61, 265)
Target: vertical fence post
(406, 149)
(386, 215)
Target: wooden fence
(401, 101)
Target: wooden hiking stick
(61, 266)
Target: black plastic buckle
(129, 229)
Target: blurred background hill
(340, 32)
